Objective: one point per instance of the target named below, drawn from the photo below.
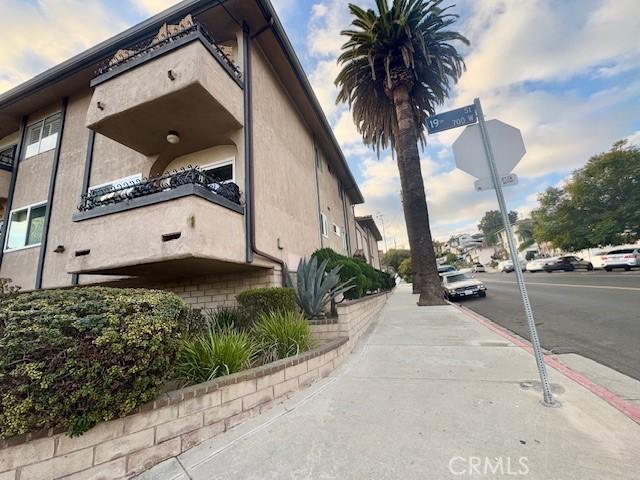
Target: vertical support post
(548, 399)
(52, 188)
(248, 141)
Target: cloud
(38, 35)
(544, 40)
(151, 7)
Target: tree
(405, 270)
(599, 205)
(397, 65)
(492, 223)
(394, 257)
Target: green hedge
(258, 301)
(366, 278)
(75, 358)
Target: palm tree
(396, 66)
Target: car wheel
(626, 269)
(589, 267)
(482, 294)
(607, 269)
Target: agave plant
(315, 287)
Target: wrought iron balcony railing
(116, 193)
(6, 158)
(160, 40)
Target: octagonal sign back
(506, 143)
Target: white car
(537, 265)
(507, 266)
(462, 285)
(478, 268)
(626, 258)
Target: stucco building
(188, 152)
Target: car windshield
(617, 252)
(458, 277)
(445, 268)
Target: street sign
(487, 183)
(507, 144)
(452, 119)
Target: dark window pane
(36, 225)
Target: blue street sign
(452, 119)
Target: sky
(565, 72)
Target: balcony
(178, 80)
(183, 223)
(7, 156)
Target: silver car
(462, 285)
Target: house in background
(367, 238)
(187, 153)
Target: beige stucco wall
(67, 193)
(284, 170)
(331, 205)
(5, 180)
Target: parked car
(567, 263)
(462, 285)
(626, 258)
(478, 268)
(442, 269)
(506, 266)
(537, 265)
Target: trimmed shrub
(258, 301)
(214, 353)
(351, 270)
(281, 335)
(74, 358)
(368, 271)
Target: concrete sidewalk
(430, 393)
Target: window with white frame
(336, 230)
(108, 189)
(43, 135)
(324, 225)
(26, 226)
(221, 172)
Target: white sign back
(507, 143)
(487, 184)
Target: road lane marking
(605, 287)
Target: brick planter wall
(173, 423)
(352, 320)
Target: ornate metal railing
(116, 193)
(6, 158)
(152, 43)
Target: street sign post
(452, 119)
(503, 148)
(487, 183)
(488, 145)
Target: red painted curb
(611, 398)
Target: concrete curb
(611, 398)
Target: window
(336, 230)
(324, 226)
(25, 227)
(221, 172)
(104, 191)
(43, 135)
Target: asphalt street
(594, 314)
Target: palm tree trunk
(414, 202)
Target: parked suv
(626, 258)
(567, 263)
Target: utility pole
(384, 235)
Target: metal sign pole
(548, 399)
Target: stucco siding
(284, 171)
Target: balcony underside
(176, 268)
(186, 90)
